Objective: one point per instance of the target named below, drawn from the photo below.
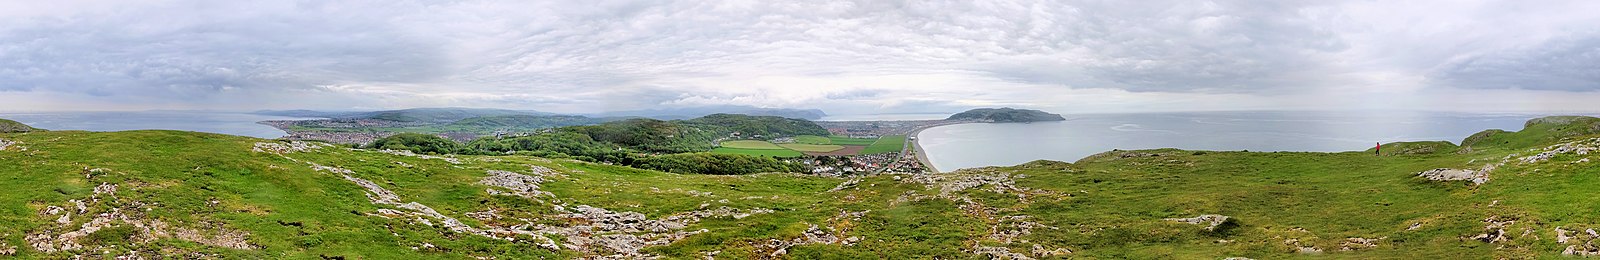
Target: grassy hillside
(8, 126)
(201, 195)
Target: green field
(812, 139)
(840, 140)
(784, 153)
(751, 144)
(887, 144)
(819, 148)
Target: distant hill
(527, 121)
(441, 115)
(761, 125)
(695, 112)
(8, 126)
(1006, 115)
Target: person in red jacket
(1377, 149)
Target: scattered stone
(1040, 251)
(1582, 250)
(995, 252)
(1494, 231)
(5, 144)
(1211, 220)
(288, 147)
(847, 184)
(1583, 147)
(451, 160)
(1357, 243)
(1415, 226)
(65, 237)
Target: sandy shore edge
(916, 145)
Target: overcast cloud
(844, 57)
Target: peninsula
(1006, 115)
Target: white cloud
(841, 56)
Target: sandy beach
(915, 144)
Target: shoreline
(915, 146)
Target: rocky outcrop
(1212, 221)
(1447, 174)
(526, 186)
(6, 144)
(1578, 243)
(1583, 147)
(288, 147)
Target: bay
(231, 123)
(976, 145)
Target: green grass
(886, 144)
(841, 140)
(751, 144)
(1106, 206)
(812, 139)
(782, 153)
(822, 148)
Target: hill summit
(1006, 115)
(8, 126)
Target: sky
(844, 57)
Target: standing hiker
(1377, 149)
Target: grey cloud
(1569, 64)
(624, 55)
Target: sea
(233, 123)
(976, 145)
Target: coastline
(915, 145)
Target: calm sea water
(976, 145)
(210, 122)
